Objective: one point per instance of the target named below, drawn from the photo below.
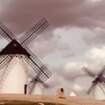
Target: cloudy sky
(74, 38)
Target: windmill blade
(34, 81)
(6, 33)
(5, 61)
(102, 79)
(88, 72)
(34, 32)
(44, 75)
(45, 85)
(102, 71)
(32, 87)
(92, 87)
(37, 66)
(41, 81)
(2, 57)
(32, 65)
(37, 77)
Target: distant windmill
(98, 84)
(19, 50)
(72, 94)
(36, 84)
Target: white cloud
(43, 47)
(95, 0)
(96, 53)
(95, 58)
(73, 69)
(73, 37)
(78, 88)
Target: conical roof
(72, 94)
(14, 48)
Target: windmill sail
(6, 33)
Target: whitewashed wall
(98, 92)
(16, 78)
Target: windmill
(98, 84)
(19, 49)
(36, 85)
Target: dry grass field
(19, 99)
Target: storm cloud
(20, 15)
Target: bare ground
(50, 99)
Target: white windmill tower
(15, 57)
(97, 89)
(14, 76)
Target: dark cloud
(95, 37)
(99, 39)
(21, 15)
